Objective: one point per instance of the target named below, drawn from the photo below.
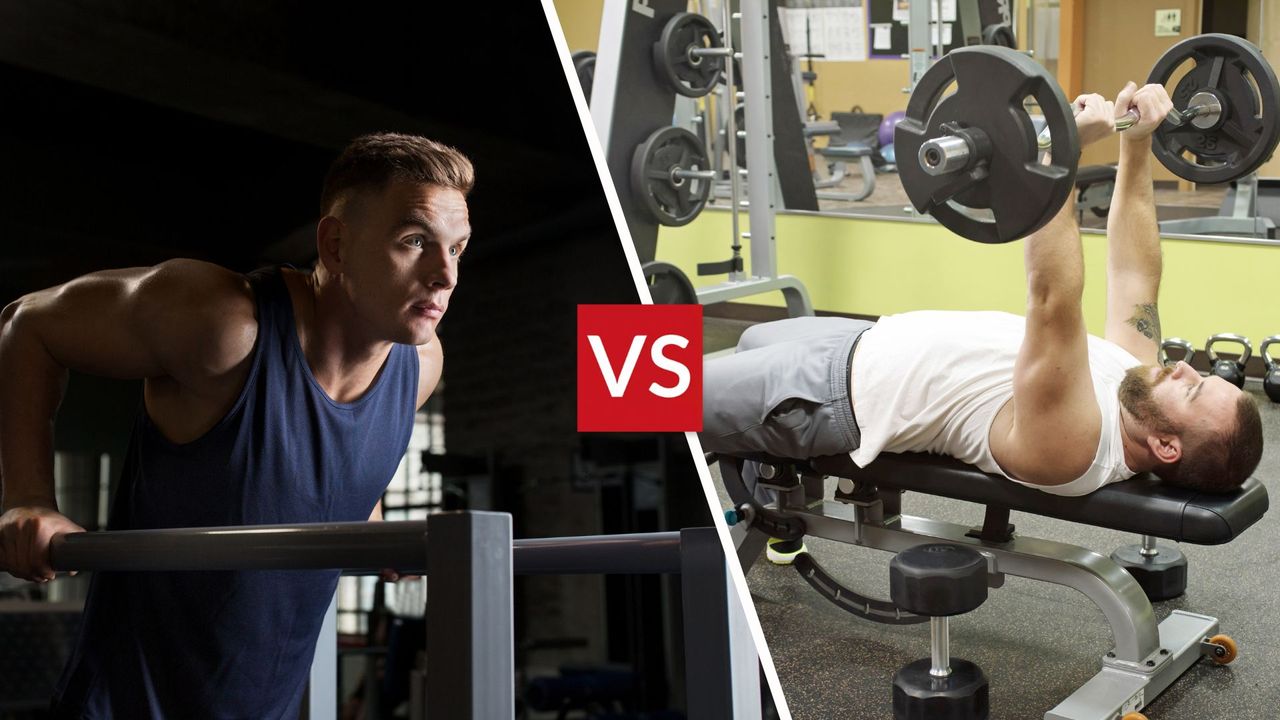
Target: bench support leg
(1114, 591)
(1147, 657)
(1117, 690)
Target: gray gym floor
(1036, 642)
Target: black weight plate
(1001, 35)
(991, 84)
(688, 75)
(1245, 135)
(668, 285)
(669, 200)
(584, 63)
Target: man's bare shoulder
(208, 310)
(220, 285)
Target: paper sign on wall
(1168, 22)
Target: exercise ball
(886, 126)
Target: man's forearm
(1133, 236)
(31, 387)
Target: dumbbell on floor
(939, 581)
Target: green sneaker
(783, 552)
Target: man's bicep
(1054, 431)
(1055, 413)
(1055, 348)
(1051, 388)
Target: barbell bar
(1202, 112)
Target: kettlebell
(1176, 343)
(1230, 370)
(1271, 376)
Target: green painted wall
(879, 267)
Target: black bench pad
(851, 150)
(1089, 174)
(1141, 504)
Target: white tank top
(934, 381)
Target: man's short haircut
(1220, 462)
(371, 162)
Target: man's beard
(1135, 396)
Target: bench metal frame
(1147, 657)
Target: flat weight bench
(1095, 184)
(866, 511)
(839, 152)
(851, 152)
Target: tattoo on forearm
(1146, 320)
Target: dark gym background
(138, 131)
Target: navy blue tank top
(237, 644)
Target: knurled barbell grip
(1129, 119)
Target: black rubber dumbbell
(939, 581)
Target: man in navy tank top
(278, 397)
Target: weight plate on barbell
(1245, 135)
(668, 285)
(670, 200)
(689, 75)
(1001, 35)
(992, 85)
(584, 64)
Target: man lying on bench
(1037, 400)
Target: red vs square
(639, 368)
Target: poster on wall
(835, 31)
(888, 21)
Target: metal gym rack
(470, 559)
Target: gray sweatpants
(785, 391)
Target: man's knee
(754, 337)
(797, 329)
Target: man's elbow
(10, 312)
(15, 315)
(1053, 297)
